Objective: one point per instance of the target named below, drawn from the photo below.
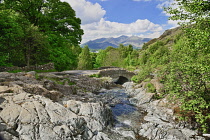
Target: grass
(95, 75)
(150, 87)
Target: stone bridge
(118, 75)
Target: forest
(39, 32)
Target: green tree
(100, 58)
(51, 32)
(187, 75)
(35, 46)
(51, 16)
(61, 53)
(11, 34)
(85, 60)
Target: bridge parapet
(116, 73)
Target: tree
(85, 60)
(187, 75)
(100, 58)
(35, 46)
(51, 32)
(51, 16)
(11, 33)
(190, 10)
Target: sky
(113, 18)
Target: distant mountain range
(102, 43)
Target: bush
(150, 87)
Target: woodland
(39, 32)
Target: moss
(147, 80)
(37, 77)
(95, 75)
(150, 87)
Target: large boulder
(27, 116)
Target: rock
(159, 120)
(29, 116)
(128, 134)
(49, 85)
(158, 86)
(138, 95)
(40, 90)
(4, 89)
(31, 74)
(101, 136)
(97, 114)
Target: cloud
(87, 11)
(151, 35)
(169, 3)
(105, 28)
(95, 26)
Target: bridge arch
(121, 80)
(118, 75)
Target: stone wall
(115, 73)
(48, 66)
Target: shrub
(150, 87)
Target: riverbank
(161, 121)
(46, 106)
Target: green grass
(150, 87)
(95, 75)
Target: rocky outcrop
(31, 110)
(59, 106)
(160, 121)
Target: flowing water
(126, 115)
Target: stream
(127, 117)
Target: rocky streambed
(60, 106)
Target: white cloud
(169, 3)
(105, 28)
(151, 35)
(95, 26)
(87, 11)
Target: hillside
(179, 62)
(102, 43)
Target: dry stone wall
(115, 73)
(48, 66)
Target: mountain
(102, 43)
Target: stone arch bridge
(118, 75)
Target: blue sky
(127, 11)
(113, 18)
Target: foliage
(39, 32)
(144, 73)
(35, 46)
(51, 16)
(95, 75)
(150, 87)
(85, 60)
(123, 56)
(187, 77)
(3, 59)
(181, 61)
(14, 71)
(10, 35)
